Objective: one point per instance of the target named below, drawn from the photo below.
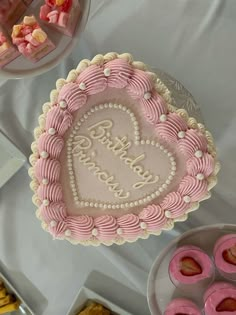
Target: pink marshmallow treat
(189, 265)
(220, 298)
(11, 11)
(31, 40)
(62, 15)
(7, 51)
(182, 306)
(225, 255)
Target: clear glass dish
(160, 289)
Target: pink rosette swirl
(58, 119)
(121, 72)
(107, 227)
(139, 84)
(130, 225)
(174, 203)
(74, 97)
(154, 107)
(154, 217)
(58, 231)
(48, 169)
(56, 211)
(169, 129)
(193, 141)
(94, 79)
(204, 165)
(80, 226)
(52, 191)
(53, 145)
(192, 187)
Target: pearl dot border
(138, 141)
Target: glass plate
(21, 67)
(11, 159)
(161, 290)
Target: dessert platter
(36, 35)
(195, 273)
(114, 159)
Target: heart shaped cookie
(113, 159)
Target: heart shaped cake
(113, 159)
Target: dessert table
(190, 40)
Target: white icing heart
(112, 167)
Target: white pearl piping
(44, 155)
(63, 104)
(181, 134)
(137, 141)
(147, 95)
(107, 72)
(68, 233)
(187, 199)
(82, 86)
(200, 176)
(198, 154)
(45, 181)
(52, 131)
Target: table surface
(191, 40)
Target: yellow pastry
(10, 307)
(6, 300)
(95, 309)
(3, 292)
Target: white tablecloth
(193, 41)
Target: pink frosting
(94, 80)
(80, 226)
(169, 129)
(216, 294)
(174, 203)
(192, 187)
(154, 217)
(139, 84)
(182, 306)
(56, 211)
(52, 191)
(58, 119)
(121, 72)
(59, 230)
(73, 96)
(223, 243)
(117, 74)
(107, 227)
(49, 169)
(154, 107)
(193, 141)
(204, 165)
(53, 145)
(196, 254)
(130, 225)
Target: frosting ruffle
(49, 169)
(107, 227)
(55, 211)
(129, 224)
(52, 191)
(154, 107)
(192, 187)
(53, 145)
(121, 73)
(154, 217)
(80, 226)
(174, 203)
(193, 141)
(94, 80)
(58, 119)
(139, 84)
(204, 165)
(169, 129)
(73, 96)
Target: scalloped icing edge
(166, 95)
